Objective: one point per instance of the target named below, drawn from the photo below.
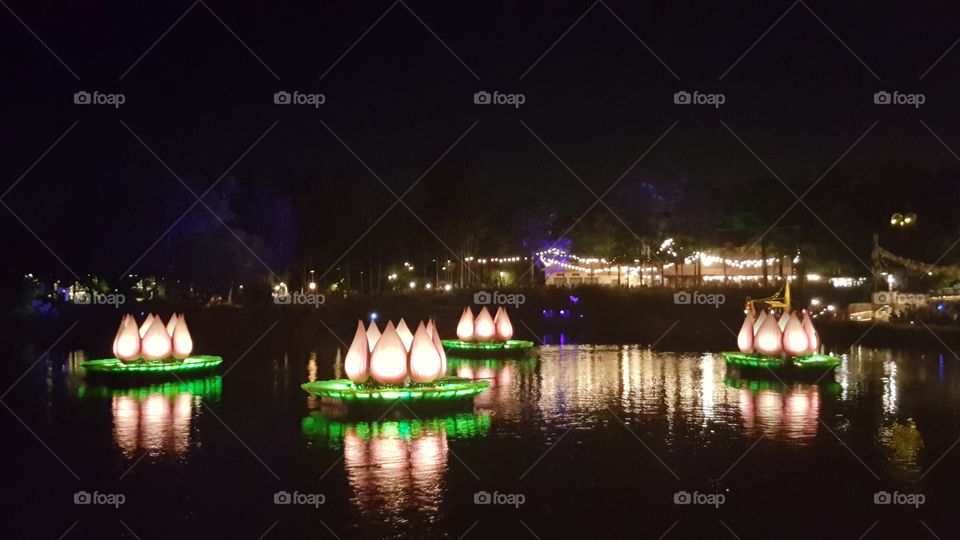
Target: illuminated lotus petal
(431, 326)
(156, 344)
(784, 319)
(388, 362)
(182, 342)
(483, 328)
(425, 362)
(146, 325)
(795, 340)
(439, 346)
(405, 335)
(503, 325)
(172, 324)
(812, 336)
(128, 344)
(759, 321)
(465, 326)
(357, 362)
(116, 338)
(745, 337)
(768, 339)
(373, 335)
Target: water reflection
(155, 418)
(509, 379)
(394, 466)
(777, 410)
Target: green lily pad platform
(815, 364)
(511, 347)
(114, 367)
(445, 391)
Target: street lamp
(903, 220)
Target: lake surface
(584, 441)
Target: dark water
(596, 440)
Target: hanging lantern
(156, 344)
(405, 335)
(465, 326)
(813, 337)
(768, 340)
(182, 342)
(795, 340)
(373, 335)
(483, 328)
(425, 363)
(503, 325)
(745, 337)
(357, 362)
(388, 361)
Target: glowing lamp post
(357, 362)
(388, 361)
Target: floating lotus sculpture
(486, 333)
(396, 365)
(151, 347)
(772, 342)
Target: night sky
(399, 82)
